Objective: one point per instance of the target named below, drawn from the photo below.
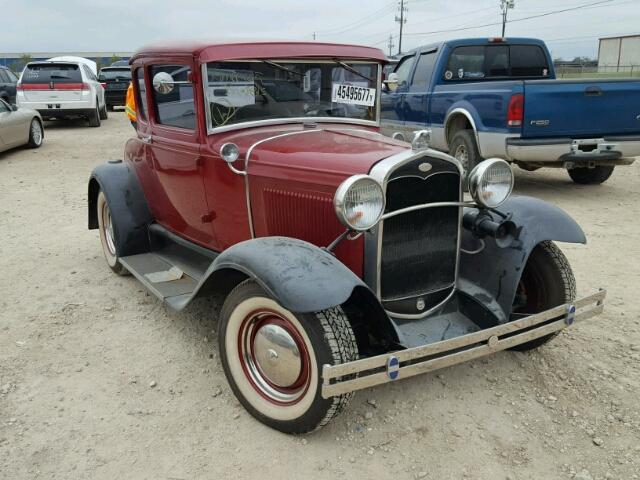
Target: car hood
(325, 153)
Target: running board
(365, 373)
(172, 270)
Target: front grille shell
(397, 257)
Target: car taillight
(515, 110)
(85, 86)
(104, 85)
(19, 87)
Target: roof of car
(246, 49)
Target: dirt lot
(80, 349)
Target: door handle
(592, 92)
(147, 139)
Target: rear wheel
(94, 117)
(108, 236)
(463, 147)
(35, 134)
(103, 112)
(590, 176)
(273, 358)
(547, 281)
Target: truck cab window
(173, 96)
(403, 70)
(424, 70)
(528, 61)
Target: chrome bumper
(360, 374)
(616, 151)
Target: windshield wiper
(352, 70)
(281, 67)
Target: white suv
(62, 90)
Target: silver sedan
(19, 126)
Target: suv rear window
(116, 73)
(496, 61)
(52, 72)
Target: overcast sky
(125, 25)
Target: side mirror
(163, 83)
(14, 107)
(392, 82)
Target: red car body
(191, 191)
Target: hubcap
(36, 132)
(108, 229)
(462, 156)
(277, 355)
(274, 357)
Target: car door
(393, 101)
(173, 150)
(13, 128)
(417, 98)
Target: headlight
(491, 182)
(359, 202)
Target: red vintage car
(346, 259)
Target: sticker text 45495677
(353, 95)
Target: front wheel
(547, 281)
(108, 236)
(273, 358)
(590, 176)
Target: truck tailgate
(581, 108)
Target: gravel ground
(99, 381)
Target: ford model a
(346, 259)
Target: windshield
(238, 92)
(113, 74)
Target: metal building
(619, 54)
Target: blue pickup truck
(499, 97)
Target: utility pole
(391, 45)
(505, 5)
(314, 36)
(402, 19)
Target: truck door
(393, 110)
(417, 98)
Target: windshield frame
(287, 120)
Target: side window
(528, 61)
(424, 70)
(4, 78)
(173, 96)
(141, 99)
(403, 70)
(11, 75)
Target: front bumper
(570, 153)
(360, 374)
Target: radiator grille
(419, 249)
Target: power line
(388, 8)
(546, 14)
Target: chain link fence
(587, 71)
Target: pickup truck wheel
(35, 134)
(590, 176)
(94, 117)
(547, 281)
(273, 358)
(107, 236)
(463, 147)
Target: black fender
(300, 276)
(493, 274)
(129, 210)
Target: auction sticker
(353, 94)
